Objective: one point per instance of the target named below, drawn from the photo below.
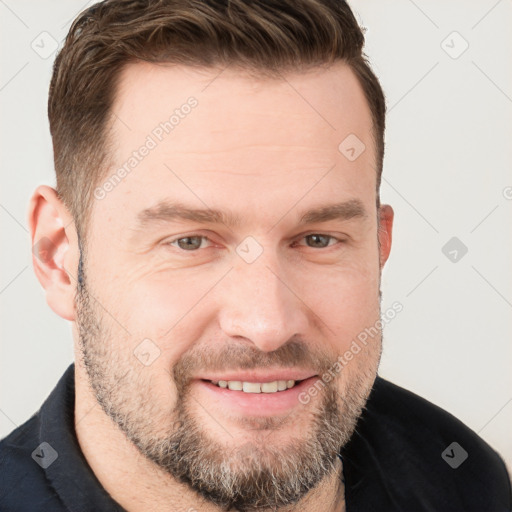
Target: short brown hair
(266, 36)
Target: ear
(54, 250)
(386, 216)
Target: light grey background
(447, 174)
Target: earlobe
(385, 234)
(54, 250)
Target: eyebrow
(171, 211)
(353, 208)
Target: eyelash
(171, 242)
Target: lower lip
(255, 404)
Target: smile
(256, 387)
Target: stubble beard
(253, 476)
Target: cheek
(345, 299)
(174, 307)
(164, 305)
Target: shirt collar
(70, 474)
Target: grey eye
(190, 243)
(318, 241)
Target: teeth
(251, 387)
(269, 387)
(256, 387)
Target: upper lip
(260, 376)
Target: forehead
(234, 102)
(215, 133)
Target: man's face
(173, 303)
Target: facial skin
(265, 151)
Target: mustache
(293, 354)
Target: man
(216, 239)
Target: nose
(259, 303)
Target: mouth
(253, 394)
(275, 386)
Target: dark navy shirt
(406, 455)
